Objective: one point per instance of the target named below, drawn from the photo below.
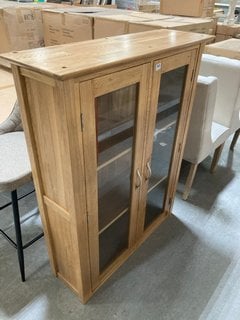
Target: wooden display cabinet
(105, 123)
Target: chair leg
(216, 157)
(17, 225)
(234, 140)
(190, 178)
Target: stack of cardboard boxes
(191, 8)
(224, 31)
(25, 26)
(76, 24)
(21, 25)
(139, 5)
(64, 27)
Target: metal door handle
(139, 179)
(149, 171)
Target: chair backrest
(199, 143)
(13, 122)
(227, 109)
(7, 98)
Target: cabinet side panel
(44, 123)
(50, 129)
(63, 245)
(20, 84)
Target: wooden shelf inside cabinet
(105, 123)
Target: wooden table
(228, 48)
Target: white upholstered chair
(13, 122)
(205, 135)
(15, 171)
(227, 109)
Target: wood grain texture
(60, 116)
(90, 160)
(77, 204)
(67, 61)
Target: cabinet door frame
(160, 67)
(89, 91)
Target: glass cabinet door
(114, 111)
(116, 123)
(172, 77)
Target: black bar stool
(15, 171)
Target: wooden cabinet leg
(216, 157)
(189, 182)
(234, 140)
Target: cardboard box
(134, 27)
(21, 25)
(5, 44)
(154, 8)
(105, 6)
(192, 8)
(229, 48)
(228, 30)
(89, 10)
(20, 28)
(141, 5)
(75, 23)
(65, 27)
(144, 16)
(221, 37)
(224, 31)
(113, 25)
(107, 27)
(176, 23)
(6, 78)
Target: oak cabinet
(105, 123)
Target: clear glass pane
(113, 241)
(115, 118)
(169, 104)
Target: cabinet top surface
(79, 58)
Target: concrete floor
(188, 269)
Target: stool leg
(18, 233)
(234, 140)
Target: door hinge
(81, 120)
(192, 75)
(179, 147)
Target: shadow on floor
(164, 274)
(169, 274)
(206, 186)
